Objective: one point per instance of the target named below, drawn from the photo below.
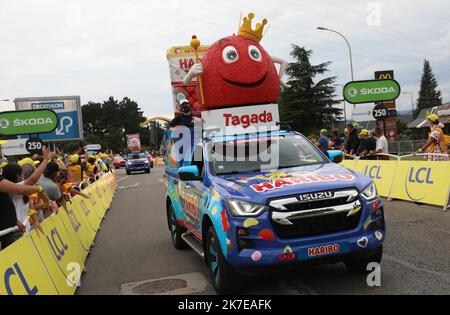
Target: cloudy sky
(99, 48)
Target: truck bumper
(261, 246)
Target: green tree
(109, 122)
(307, 104)
(429, 96)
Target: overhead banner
(372, 91)
(134, 142)
(28, 122)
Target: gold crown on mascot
(247, 30)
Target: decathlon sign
(28, 122)
(372, 91)
(68, 109)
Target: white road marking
(123, 178)
(443, 275)
(127, 187)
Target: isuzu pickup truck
(243, 216)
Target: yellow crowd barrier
(52, 262)
(416, 181)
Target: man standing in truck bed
(185, 118)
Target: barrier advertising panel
(51, 261)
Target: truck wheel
(224, 278)
(360, 265)
(176, 231)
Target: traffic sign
(380, 112)
(28, 122)
(93, 147)
(34, 146)
(68, 109)
(371, 91)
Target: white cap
(182, 101)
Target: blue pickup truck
(245, 216)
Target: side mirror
(189, 173)
(336, 156)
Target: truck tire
(224, 278)
(360, 265)
(176, 231)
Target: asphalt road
(134, 247)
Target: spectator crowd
(359, 142)
(36, 187)
(366, 145)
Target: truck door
(193, 194)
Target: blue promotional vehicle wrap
(243, 219)
(137, 162)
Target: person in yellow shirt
(76, 170)
(437, 143)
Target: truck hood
(259, 187)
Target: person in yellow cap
(92, 169)
(76, 171)
(367, 146)
(437, 143)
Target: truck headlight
(241, 208)
(370, 193)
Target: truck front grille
(319, 225)
(317, 204)
(294, 218)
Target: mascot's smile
(246, 85)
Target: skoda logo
(4, 123)
(352, 92)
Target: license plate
(314, 252)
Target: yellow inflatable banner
(61, 252)
(424, 182)
(22, 271)
(51, 261)
(381, 172)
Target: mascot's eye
(230, 54)
(254, 53)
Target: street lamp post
(345, 105)
(348, 44)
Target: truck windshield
(263, 154)
(136, 156)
